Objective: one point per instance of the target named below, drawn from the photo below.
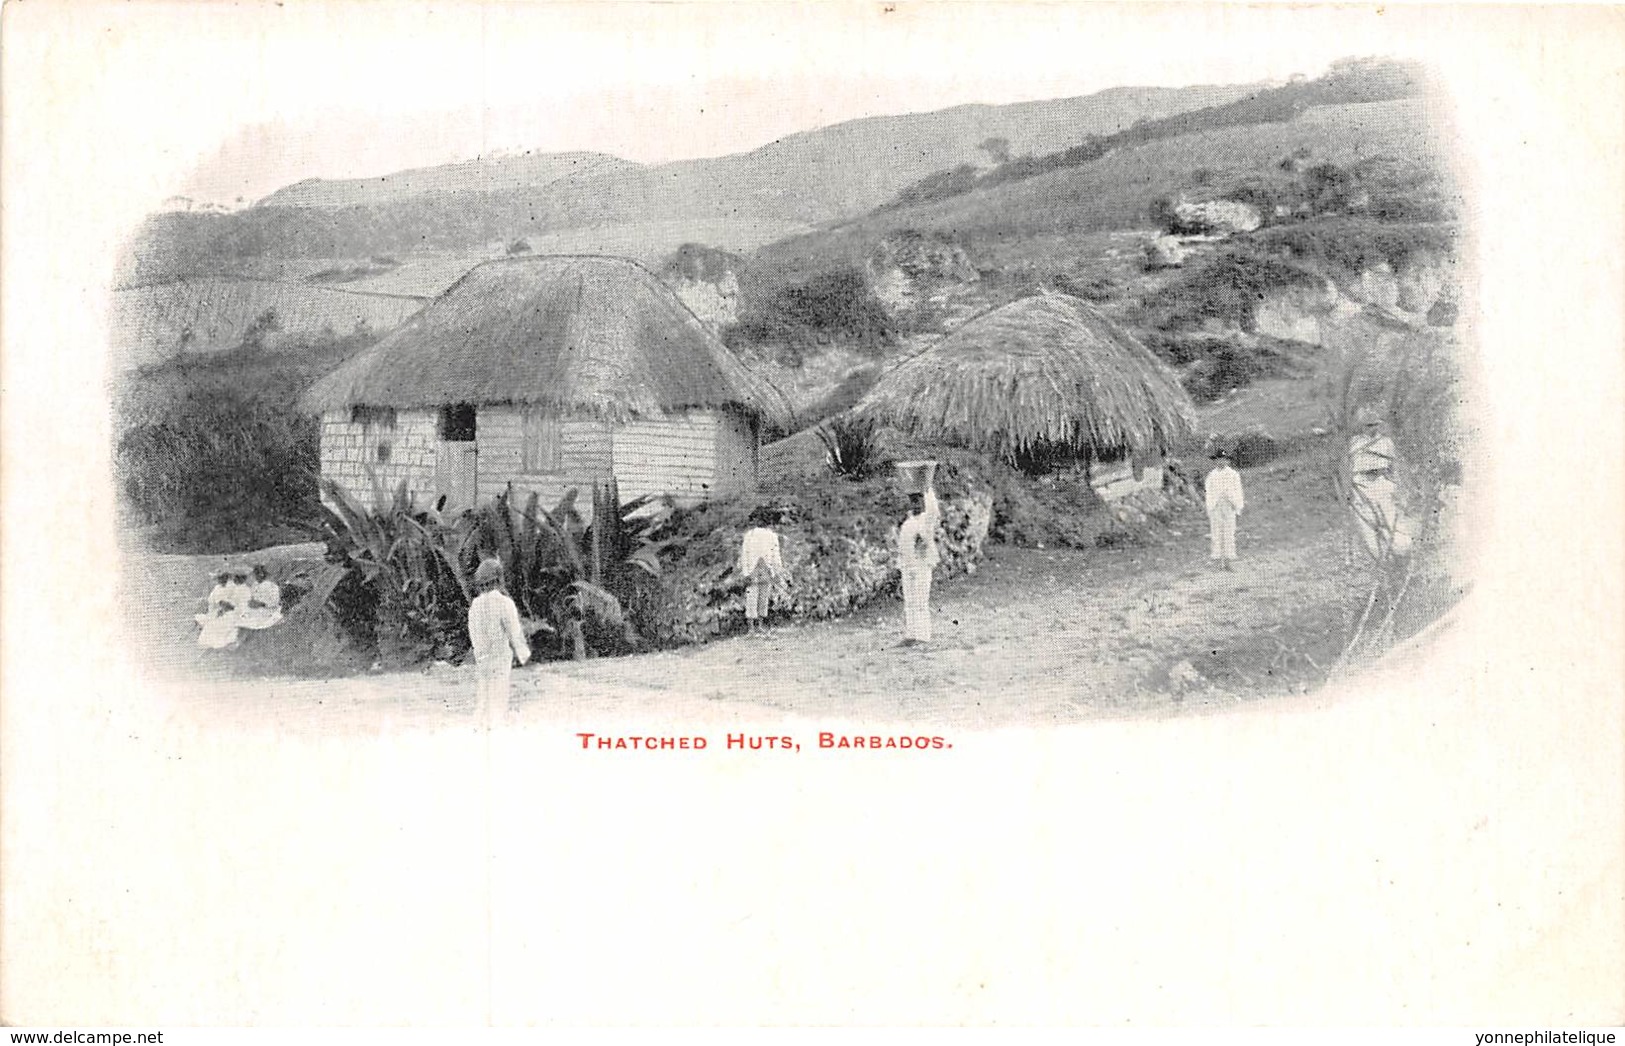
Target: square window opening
(373, 417)
(456, 423)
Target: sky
(370, 89)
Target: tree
(997, 149)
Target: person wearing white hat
(497, 638)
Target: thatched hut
(546, 373)
(1042, 376)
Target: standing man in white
(1224, 503)
(917, 557)
(497, 638)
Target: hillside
(495, 174)
(737, 202)
(1034, 220)
(160, 322)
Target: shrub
(835, 306)
(214, 454)
(839, 546)
(1228, 289)
(574, 580)
(405, 593)
(409, 574)
(851, 445)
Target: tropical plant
(408, 589)
(851, 445)
(571, 580)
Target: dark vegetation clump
(696, 261)
(407, 580)
(1211, 365)
(1227, 290)
(1353, 243)
(833, 308)
(838, 541)
(1059, 510)
(214, 454)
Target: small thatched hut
(546, 373)
(1041, 375)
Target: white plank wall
(696, 455)
(348, 450)
(586, 457)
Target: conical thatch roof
(573, 333)
(1045, 371)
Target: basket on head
(916, 476)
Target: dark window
(383, 450)
(373, 417)
(457, 423)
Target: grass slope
(737, 202)
(1036, 219)
(210, 314)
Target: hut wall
(349, 449)
(584, 457)
(693, 455)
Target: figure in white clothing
(1225, 501)
(917, 557)
(218, 622)
(497, 638)
(762, 566)
(264, 601)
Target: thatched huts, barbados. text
(546, 373)
(1042, 377)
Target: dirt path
(1034, 637)
(1040, 636)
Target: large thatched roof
(574, 333)
(1045, 371)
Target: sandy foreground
(1415, 846)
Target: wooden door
(456, 473)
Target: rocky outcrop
(1215, 217)
(1165, 252)
(1413, 291)
(907, 270)
(715, 302)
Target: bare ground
(1035, 636)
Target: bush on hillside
(829, 308)
(215, 455)
(1227, 290)
(1353, 244)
